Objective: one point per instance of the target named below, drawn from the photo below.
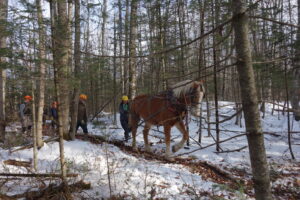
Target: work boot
(126, 137)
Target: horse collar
(174, 104)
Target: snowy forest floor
(115, 171)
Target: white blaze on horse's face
(183, 90)
(196, 109)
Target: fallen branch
(212, 144)
(276, 134)
(103, 106)
(54, 190)
(18, 163)
(36, 175)
(204, 164)
(234, 150)
(114, 128)
(274, 21)
(31, 145)
(5, 197)
(194, 166)
(229, 118)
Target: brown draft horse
(166, 109)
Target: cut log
(5, 197)
(18, 163)
(59, 191)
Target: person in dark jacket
(26, 114)
(82, 114)
(124, 113)
(54, 115)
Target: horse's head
(295, 99)
(197, 94)
(190, 93)
(296, 110)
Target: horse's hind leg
(145, 133)
(133, 129)
(167, 131)
(134, 120)
(185, 135)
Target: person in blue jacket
(124, 114)
(54, 115)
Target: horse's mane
(182, 87)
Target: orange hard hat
(83, 96)
(27, 97)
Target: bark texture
(41, 103)
(3, 33)
(255, 137)
(132, 47)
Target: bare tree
(126, 48)
(42, 68)
(216, 55)
(120, 29)
(132, 47)
(3, 33)
(77, 56)
(115, 72)
(295, 96)
(62, 68)
(60, 37)
(260, 170)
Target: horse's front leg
(167, 130)
(145, 134)
(185, 135)
(134, 130)
(133, 121)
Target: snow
(135, 177)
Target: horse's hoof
(134, 148)
(174, 149)
(148, 150)
(170, 159)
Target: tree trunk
(120, 27)
(62, 48)
(115, 72)
(182, 36)
(3, 33)
(104, 16)
(132, 47)
(255, 136)
(162, 33)
(216, 55)
(77, 55)
(295, 94)
(201, 59)
(32, 57)
(61, 60)
(288, 112)
(34, 128)
(126, 60)
(41, 32)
